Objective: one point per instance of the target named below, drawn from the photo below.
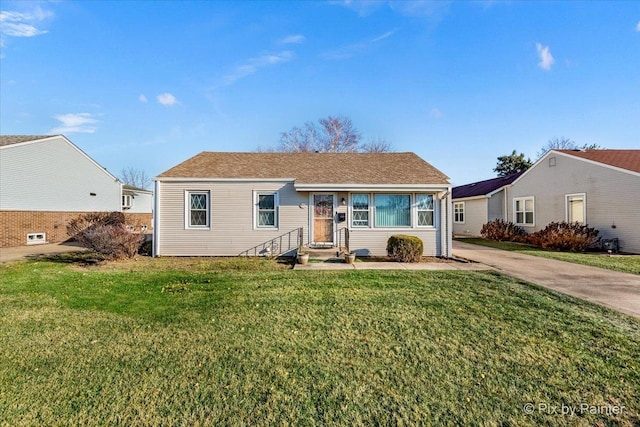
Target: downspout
(445, 232)
(155, 251)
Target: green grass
(623, 263)
(242, 342)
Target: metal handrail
(277, 246)
(343, 244)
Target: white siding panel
(142, 203)
(496, 206)
(613, 197)
(475, 215)
(52, 175)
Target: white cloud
(348, 51)
(293, 39)
(167, 99)
(420, 8)
(143, 98)
(383, 36)
(436, 113)
(362, 7)
(75, 123)
(254, 64)
(22, 24)
(546, 59)
(638, 26)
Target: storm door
(323, 219)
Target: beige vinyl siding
(231, 228)
(475, 215)
(612, 197)
(52, 175)
(373, 241)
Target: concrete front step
(325, 253)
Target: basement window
(36, 238)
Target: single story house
(219, 204)
(600, 188)
(477, 203)
(46, 181)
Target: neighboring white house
(600, 188)
(257, 203)
(45, 181)
(477, 203)
(136, 200)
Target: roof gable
(483, 188)
(8, 141)
(311, 168)
(623, 159)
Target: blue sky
(150, 84)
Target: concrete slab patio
(613, 289)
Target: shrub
(503, 231)
(106, 234)
(405, 248)
(565, 236)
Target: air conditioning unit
(611, 245)
(36, 238)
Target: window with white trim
(266, 214)
(392, 210)
(360, 210)
(126, 201)
(198, 209)
(523, 210)
(576, 208)
(424, 204)
(458, 212)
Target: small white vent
(36, 238)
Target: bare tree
(564, 143)
(300, 140)
(377, 145)
(135, 178)
(338, 135)
(333, 134)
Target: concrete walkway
(23, 252)
(619, 291)
(359, 265)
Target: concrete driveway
(619, 291)
(24, 252)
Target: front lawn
(623, 263)
(250, 342)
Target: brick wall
(14, 225)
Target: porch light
(343, 202)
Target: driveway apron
(613, 289)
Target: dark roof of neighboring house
(311, 168)
(16, 139)
(482, 188)
(624, 159)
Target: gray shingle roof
(16, 139)
(311, 168)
